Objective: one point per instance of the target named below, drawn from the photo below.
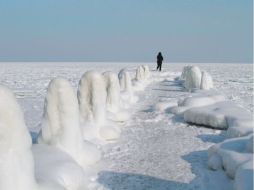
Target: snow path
(157, 151)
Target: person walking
(159, 61)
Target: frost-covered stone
(61, 127)
(206, 81)
(192, 78)
(16, 159)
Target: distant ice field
(29, 81)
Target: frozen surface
(156, 150)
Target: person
(159, 61)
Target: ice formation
(206, 81)
(220, 115)
(235, 156)
(92, 97)
(53, 166)
(192, 78)
(16, 159)
(146, 71)
(61, 127)
(126, 88)
(125, 81)
(113, 91)
(198, 99)
(140, 73)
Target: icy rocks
(16, 159)
(192, 78)
(92, 95)
(195, 79)
(221, 115)
(206, 81)
(113, 91)
(60, 126)
(235, 156)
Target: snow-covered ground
(156, 150)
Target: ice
(221, 115)
(61, 127)
(206, 81)
(53, 166)
(127, 93)
(16, 159)
(92, 97)
(244, 176)
(192, 78)
(231, 155)
(140, 73)
(113, 91)
(157, 149)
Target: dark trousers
(159, 66)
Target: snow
(60, 124)
(156, 149)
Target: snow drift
(92, 96)
(60, 125)
(16, 159)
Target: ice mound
(61, 127)
(140, 73)
(113, 91)
(127, 94)
(113, 100)
(235, 156)
(238, 131)
(206, 81)
(192, 78)
(221, 115)
(16, 159)
(92, 97)
(146, 71)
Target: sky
(126, 30)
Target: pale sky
(126, 30)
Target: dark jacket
(159, 58)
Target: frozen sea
(155, 151)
